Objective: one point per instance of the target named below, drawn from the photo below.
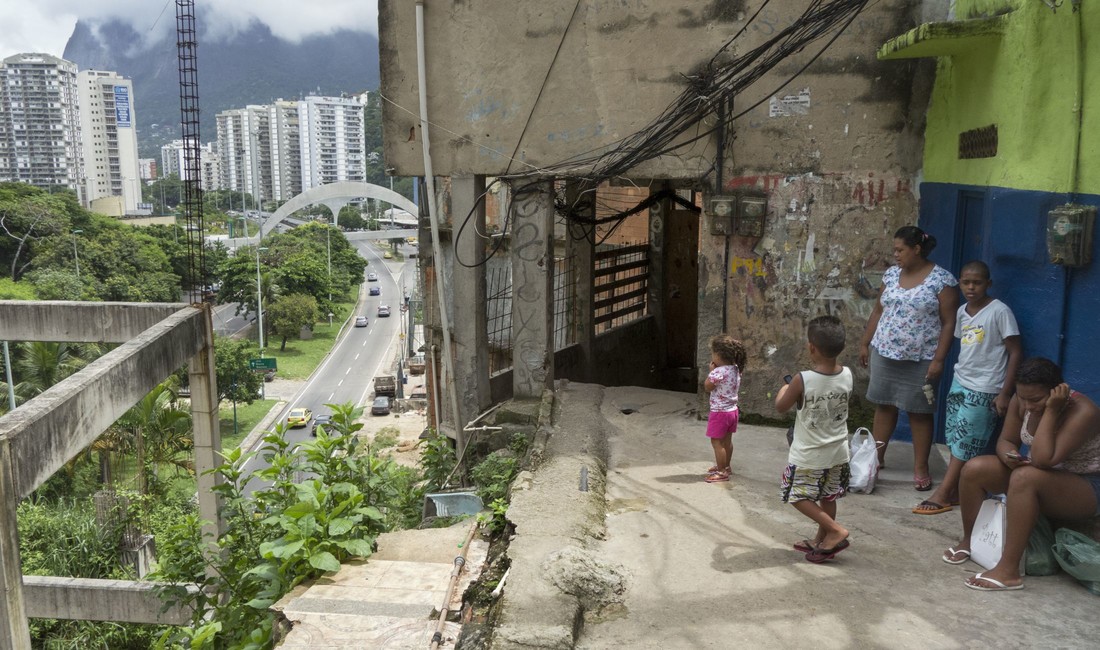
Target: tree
(351, 218)
(290, 314)
(25, 218)
(163, 193)
(158, 431)
(236, 381)
(38, 365)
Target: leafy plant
(437, 461)
(493, 476)
(288, 530)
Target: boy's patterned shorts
(800, 484)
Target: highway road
(360, 353)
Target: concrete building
(244, 151)
(763, 207)
(108, 123)
(40, 136)
(210, 167)
(333, 144)
(1010, 172)
(147, 168)
(286, 150)
(171, 158)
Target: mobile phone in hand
(787, 379)
(1013, 455)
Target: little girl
(727, 360)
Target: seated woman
(1060, 476)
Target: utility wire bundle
(710, 88)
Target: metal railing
(621, 280)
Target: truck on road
(385, 385)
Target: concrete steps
(388, 600)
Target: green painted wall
(1025, 83)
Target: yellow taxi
(387, 255)
(299, 417)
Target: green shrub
(493, 476)
(437, 461)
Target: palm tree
(158, 431)
(41, 364)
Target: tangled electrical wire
(709, 90)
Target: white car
(372, 277)
(383, 311)
(360, 321)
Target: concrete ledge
(558, 504)
(62, 320)
(100, 600)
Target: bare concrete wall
(838, 155)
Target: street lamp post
(76, 254)
(328, 248)
(260, 309)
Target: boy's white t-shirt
(983, 359)
(821, 423)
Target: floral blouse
(727, 382)
(909, 328)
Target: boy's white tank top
(821, 423)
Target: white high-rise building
(108, 127)
(147, 169)
(286, 150)
(171, 158)
(40, 139)
(333, 141)
(245, 151)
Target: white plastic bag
(863, 462)
(988, 537)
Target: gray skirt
(899, 383)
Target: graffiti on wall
(826, 246)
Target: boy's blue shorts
(971, 421)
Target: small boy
(989, 354)
(817, 470)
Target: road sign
(263, 364)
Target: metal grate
(498, 312)
(621, 279)
(978, 143)
(565, 303)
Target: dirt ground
(404, 426)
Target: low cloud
(45, 25)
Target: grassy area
(248, 416)
(300, 358)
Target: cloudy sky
(45, 25)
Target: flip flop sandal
(950, 553)
(922, 483)
(718, 477)
(805, 546)
(931, 508)
(997, 584)
(819, 555)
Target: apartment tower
(109, 131)
(40, 139)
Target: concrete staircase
(389, 600)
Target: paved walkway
(711, 565)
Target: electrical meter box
(721, 212)
(738, 214)
(751, 211)
(1069, 234)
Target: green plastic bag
(1079, 555)
(1040, 559)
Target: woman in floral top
(906, 342)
